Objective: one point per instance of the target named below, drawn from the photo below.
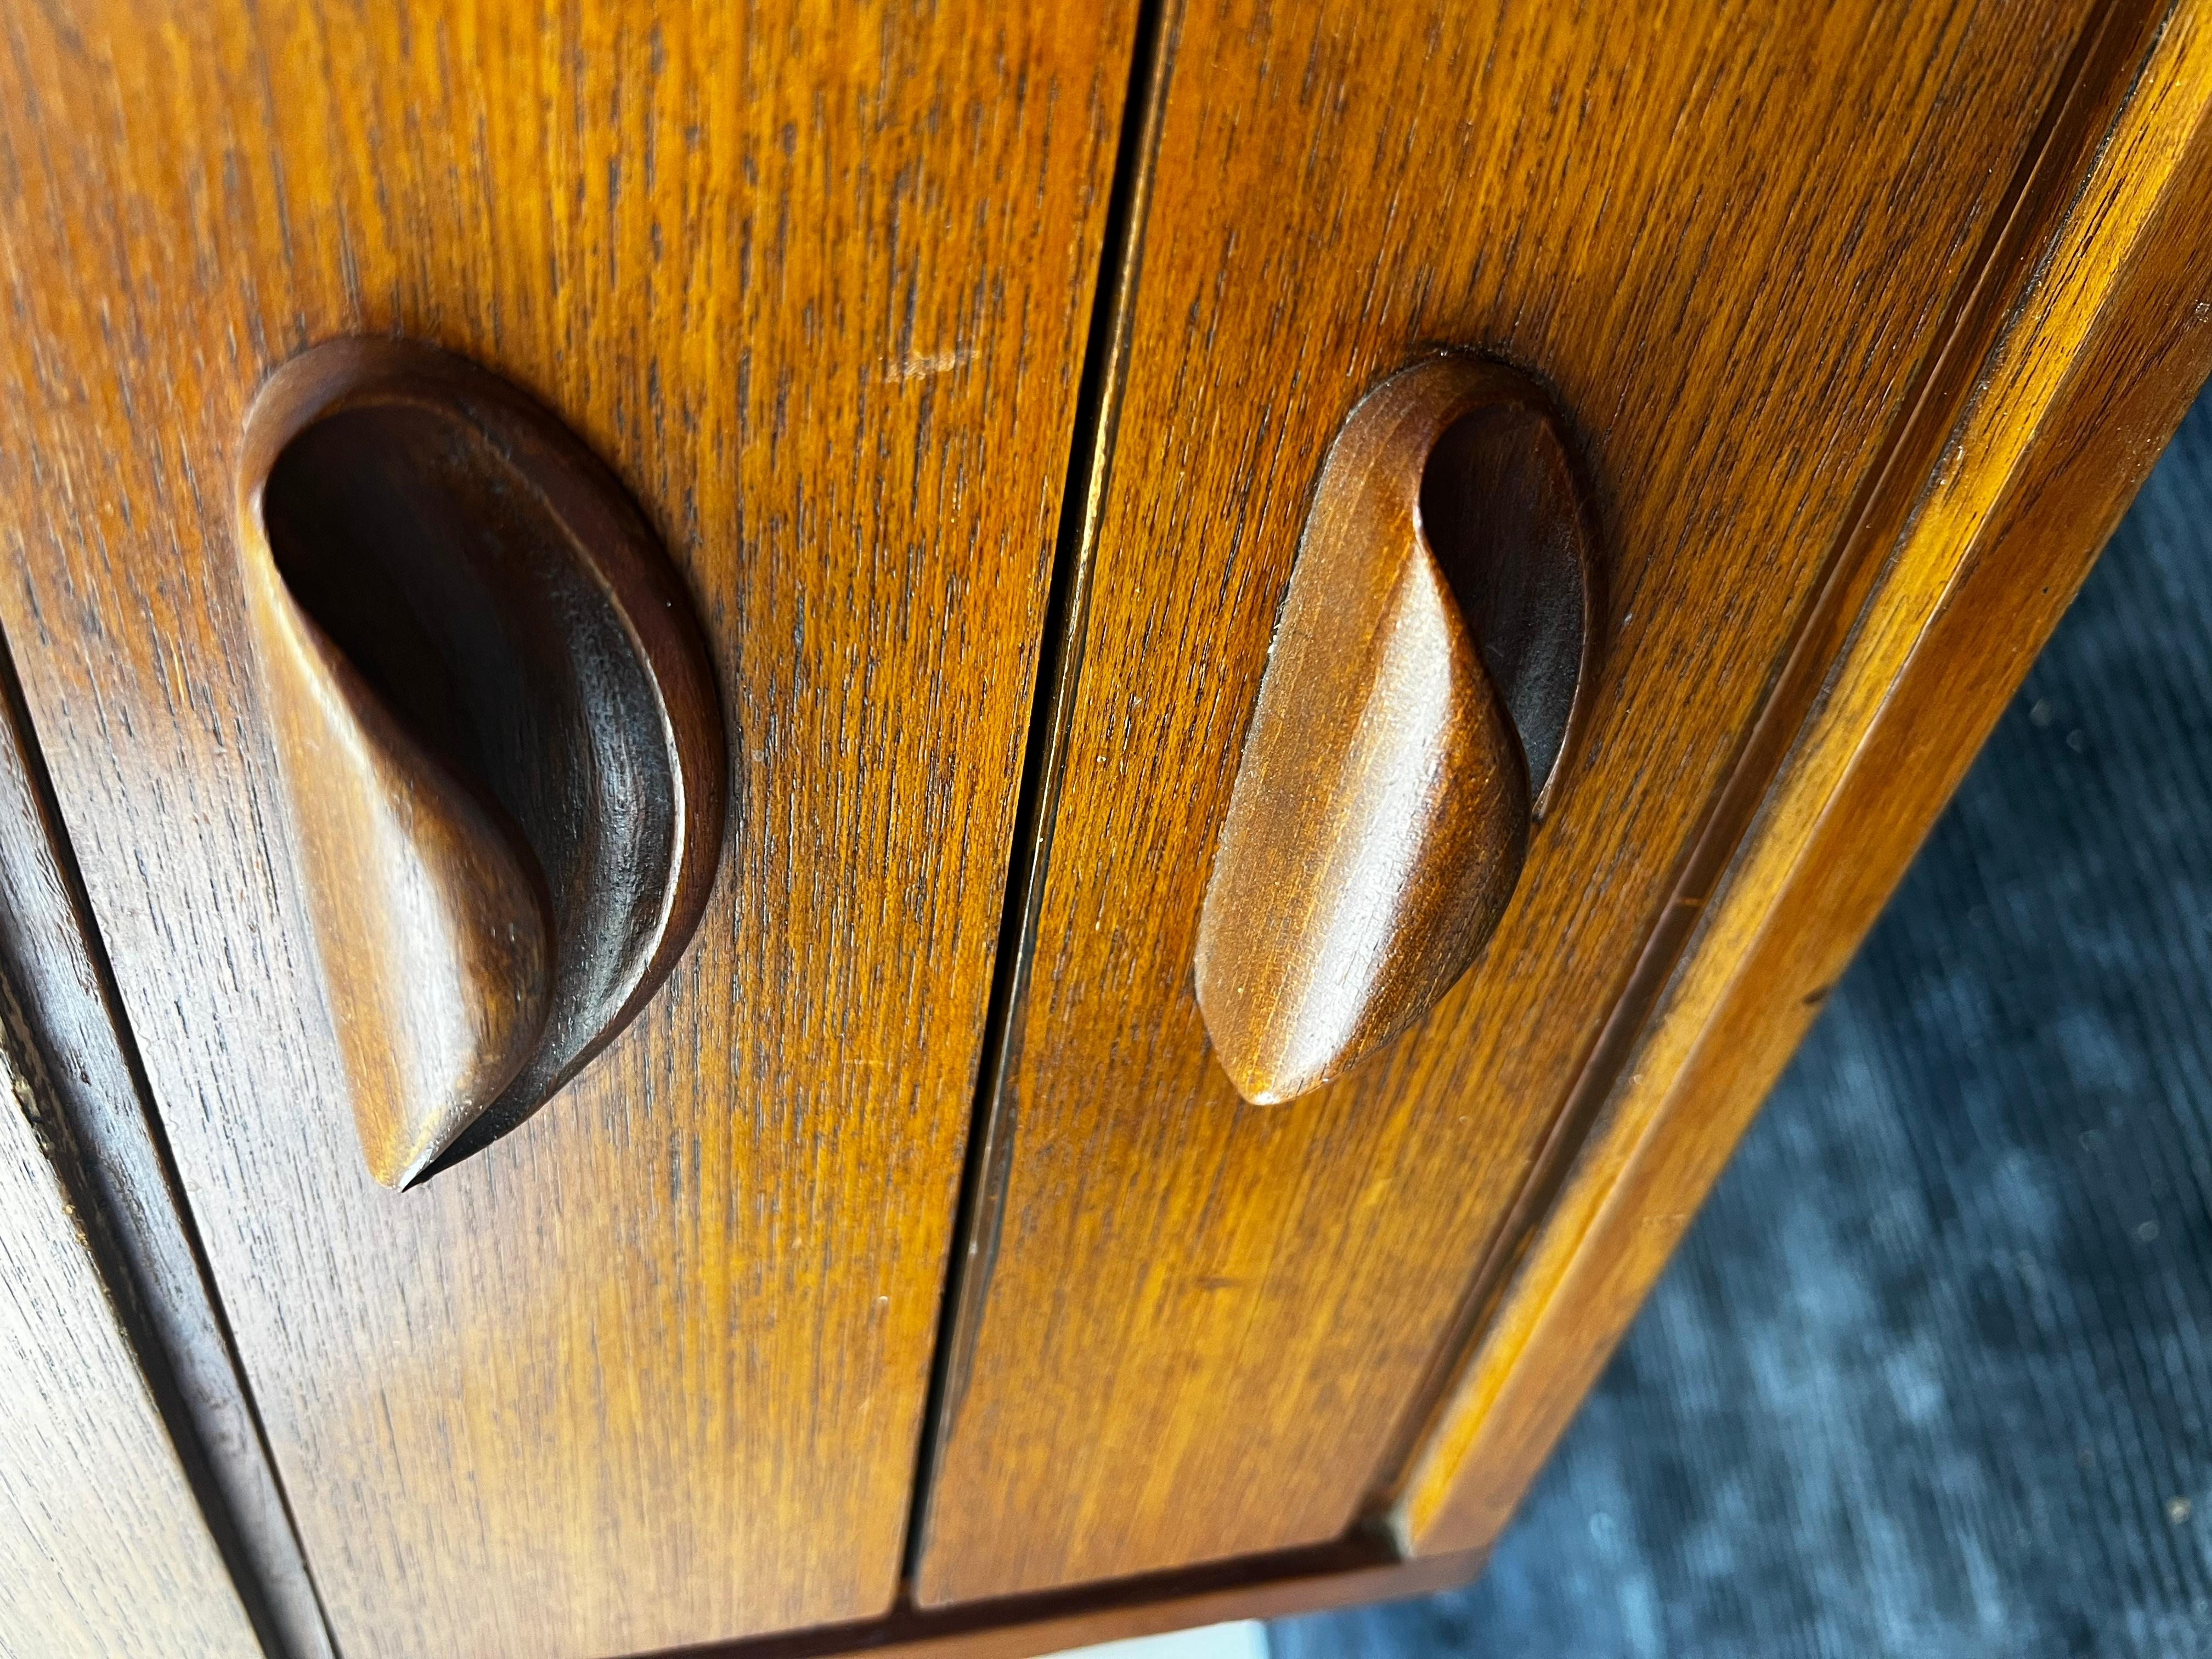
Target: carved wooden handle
(1420, 702)
(497, 727)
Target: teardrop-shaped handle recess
(496, 725)
(1421, 701)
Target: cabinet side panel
(48, 952)
(103, 1551)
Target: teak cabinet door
(651, 1369)
(1726, 238)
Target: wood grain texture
(1728, 240)
(103, 1551)
(128, 1192)
(1359, 1570)
(498, 732)
(650, 1371)
(2068, 373)
(1419, 692)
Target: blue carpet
(1932, 1374)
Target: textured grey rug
(1932, 1373)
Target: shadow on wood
(496, 723)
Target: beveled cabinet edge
(110, 1153)
(2075, 353)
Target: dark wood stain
(499, 736)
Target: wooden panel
(47, 950)
(103, 1553)
(651, 1369)
(1359, 1570)
(1729, 237)
(2070, 373)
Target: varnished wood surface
(1727, 239)
(497, 727)
(1356, 1570)
(103, 1552)
(123, 1176)
(649, 1370)
(2066, 377)
(1417, 698)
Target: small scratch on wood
(923, 366)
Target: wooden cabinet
(651, 1369)
(909, 1263)
(103, 1552)
(1731, 246)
